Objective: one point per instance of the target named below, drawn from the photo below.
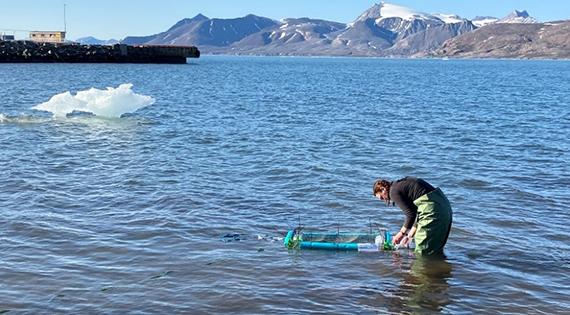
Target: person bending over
(428, 212)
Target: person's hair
(379, 185)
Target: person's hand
(406, 241)
(397, 238)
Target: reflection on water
(413, 284)
(426, 285)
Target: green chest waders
(433, 223)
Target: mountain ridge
(383, 30)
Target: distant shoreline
(443, 58)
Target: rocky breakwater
(28, 51)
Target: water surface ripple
(128, 215)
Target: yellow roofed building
(47, 36)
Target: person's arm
(412, 232)
(411, 213)
(409, 210)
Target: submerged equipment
(362, 242)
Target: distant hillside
(94, 41)
(302, 36)
(539, 40)
(384, 30)
(202, 31)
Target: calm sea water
(129, 215)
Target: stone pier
(28, 51)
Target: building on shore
(7, 37)
(47, 36)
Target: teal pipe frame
(324, 241)
(329, 246)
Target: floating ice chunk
(112, 102)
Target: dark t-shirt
(404, 191)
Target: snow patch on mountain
(449, 18)
(480, 21)
(518, 17)
(388, 10)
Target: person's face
(382, 194)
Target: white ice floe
(112, 102)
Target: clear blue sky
(107, 19)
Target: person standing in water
(428, 212)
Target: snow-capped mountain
(518, 17)
(292, 36)
(513, 18)
(304, 29)
(396, 30)
(385, 10)
(399, 20)
(384, 29)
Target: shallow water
(102, 215)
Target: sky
(106, 19)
